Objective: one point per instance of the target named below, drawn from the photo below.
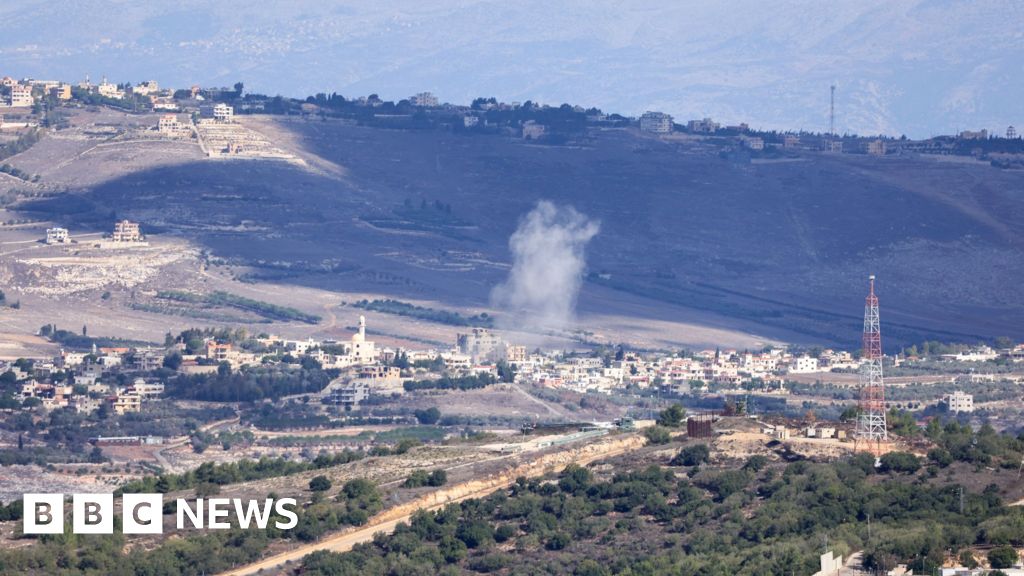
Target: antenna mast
(832, 112)
(871, 427)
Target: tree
(320, 484)
(96, 456)
(429, 416)
(1002, 557)
(172, 360)
(899, 462)
(967, 559)
(506, 372)
(672, 417)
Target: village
(207, 117)
(123, 379)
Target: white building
(959, 401)
(223, 113)
(57, 236)
(361, 350)
(803, 365)
(656, 123)
(109, 90)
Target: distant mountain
(914, 67)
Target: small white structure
(830, 564)
(57, 236)
(959, 401)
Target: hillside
(785, 243)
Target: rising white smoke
(548, 261)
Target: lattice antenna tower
(871, 427)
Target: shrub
(320, 484)
(692, 456)
(657, 435)
(1002, 557)
(904, 462)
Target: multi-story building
(223, 113)
(126, 231)
(61, 91)
(57, 236)
(959, 401)
(127, 402)
(704, 126)
(21, 96)
(876, 147)
(972, 135)
(425, 99)
(170, 125)
(656, 123)
(803, 365)
(108, 90)
(480, 343)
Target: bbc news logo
(144, 513)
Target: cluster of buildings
(125, 232)
(25, 93)
(86, 382)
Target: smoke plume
(547, 268)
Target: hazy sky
(912, 67)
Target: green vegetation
(428, 416)
(234, 472)
(658, 435)
(320, 484)
(400, 308)
(451, 383)
(650, 521)
(421, 478)
(693, 456)
(211, 552)
(79, 341)
(672, 417)
(227, 300)
(248, 384)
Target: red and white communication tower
(871, 429)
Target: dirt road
(387, 520)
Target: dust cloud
(548, 261)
